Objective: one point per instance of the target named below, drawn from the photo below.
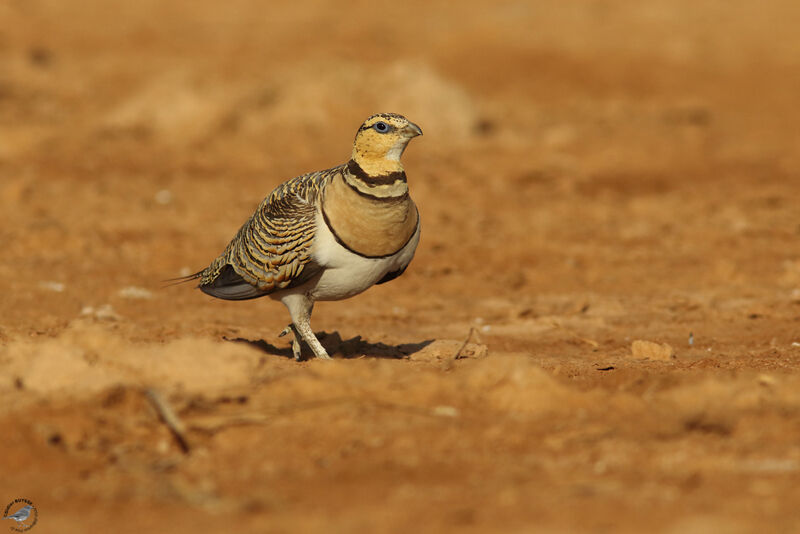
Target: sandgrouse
(327, 235)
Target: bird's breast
(372, 227)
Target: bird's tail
(182, 279)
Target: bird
(326, 235)
(21, 515)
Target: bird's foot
(297, 344)
(319, 351)
(297, 350)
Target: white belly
(346, 273)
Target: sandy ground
(592, 174)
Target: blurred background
(592, 172)
(142, 135)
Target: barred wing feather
(272, 250)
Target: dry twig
(169, 418)
(457, 355)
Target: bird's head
(381, 140)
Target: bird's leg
(304, 329)
(296, 346)
(300, 307)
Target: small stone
(445, 411)
(136, 293)
(104, 312)
(164, 197)
(56, 287)
(766, 380)
(647, 350)
(446, 349)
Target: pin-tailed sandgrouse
(326, 235)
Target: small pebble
(57, 287)
(647, 350)
(137, 293)
(104, 312)
(445, 411)
(766, 380)
(164, 197)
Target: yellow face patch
(380, 142)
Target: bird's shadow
(337, 347)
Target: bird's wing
(272, 250)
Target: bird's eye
(381, 127)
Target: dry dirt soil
(593, 174)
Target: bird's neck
(378, 165)
(390, 183)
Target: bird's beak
(412, 130)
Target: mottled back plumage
(271, 250)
